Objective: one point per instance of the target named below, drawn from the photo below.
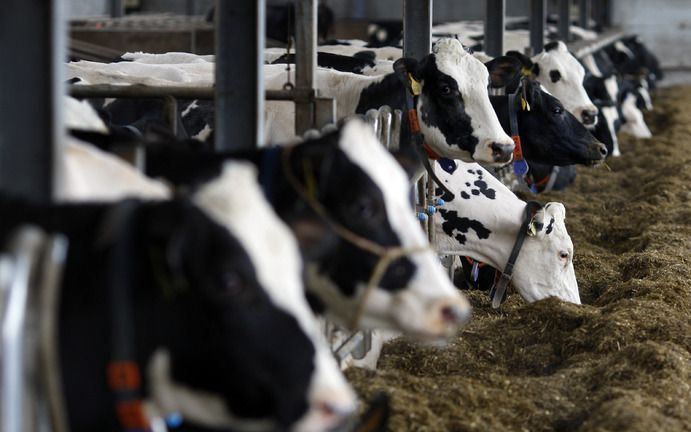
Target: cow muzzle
(597, 152)
(589, 117)
(502, 153)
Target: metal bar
(190, 7)
(305, 61)
(31, 102)
(138, 91)
(581, 49)
(117, 8)
(417, 28)
(494, 27)
(26, 246)
(584, 7)
(537, 25)
(239, 71)
(564, 19)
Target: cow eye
(557, 110)
(363, 208)
(234, 285)
(445, 90)
(563, 255)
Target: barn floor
(622, 361)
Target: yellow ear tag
(415, 86)
(526, 72)
(525, 106)
(532, 230)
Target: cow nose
(588, 117)
(598, 150)
(454, 314)
(502, 152)
(334, 414)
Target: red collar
(430, 152)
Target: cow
(549, 133)
(354, 171)
(483, 219)
(209, 290)
(358, 186)
(562, 76)
(453, 108)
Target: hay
(619, 362)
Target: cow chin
(565, 288)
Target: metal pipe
(117, 8)
(417, 28)
(139, 91)
(584, 7)
(537, 25)
(239, 72)
(494, 27)
(31, 127)
(564, 19)
(305, 61)
(582, 48)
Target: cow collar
(123, 372)
(413, 89)
(546, 183)
(520, 166)
(498, 291)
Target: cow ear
(503, 70)
(528, 67)
(408, 65)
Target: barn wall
(664, 26)
(83, 8)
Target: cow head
(549, 133)
(562, 76)
(243, 349)
(455, 114)
(482, 221)
(364, 190)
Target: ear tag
(526, 72)
(532, 230)
(525, 106)
(415, 86)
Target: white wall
(664, 26)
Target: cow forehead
(235, 201)
(361, 146)
(563, 61)
(470, 73)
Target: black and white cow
(455, 115)
(549, 133)
(353, 174)
(219, 327)
(483, 220)
(362, 188)
(562, 76)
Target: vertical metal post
(601, 13)
(31, 129)
(239, 74)
(494, 27)
(190, 7)
(305, 62)
(537, 25)
(583, 13)
(117, 8)
(564, 19)
(417, 28)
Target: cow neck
(520, 166)
(498, 291)
(123, 371)
(307, 189)
(412, 89)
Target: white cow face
(456, 116)
(633, 122)
(544, 267)
(482, 221)
(369, 197)
(562, 75)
